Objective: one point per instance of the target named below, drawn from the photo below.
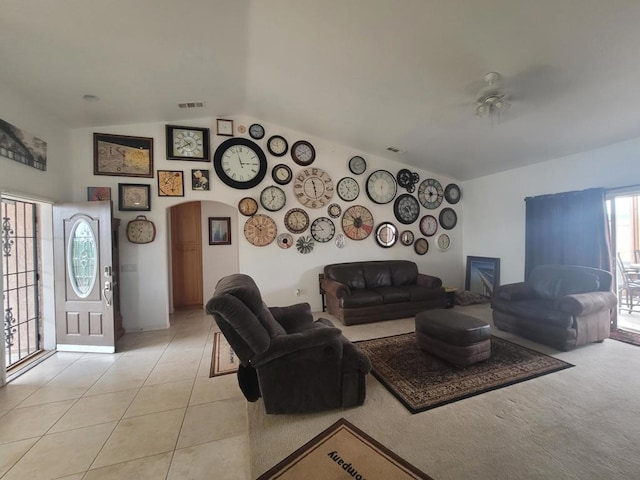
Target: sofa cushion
(361, 298)
(377, 274)
(351, 274)
(404, 273)
(418, 293)
(561, 283)
(393, 294)
(541, 311)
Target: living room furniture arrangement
(364, 292)
(563, 306)
(453, 336)
(294, 363)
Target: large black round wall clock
(406, 208)
(240, 163)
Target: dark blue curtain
(568, 228)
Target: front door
(84, 277)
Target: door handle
(106, 292)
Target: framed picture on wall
(219, 230)
(199, 179)
(170, 183)
(134, 197)
(122, 155)
(483, 275)
(97, 194)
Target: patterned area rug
(625, 336)
(422, 381)
(343, 451)
(223, 358)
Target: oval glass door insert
(82, 259)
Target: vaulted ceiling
(364, 73)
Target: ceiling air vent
(396, 150)
(191, 105)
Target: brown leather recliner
(295, 363)
(563, 306)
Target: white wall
(494, 223)
(145, 292)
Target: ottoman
(452, 336)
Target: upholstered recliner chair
(295, 363)
(563, 306)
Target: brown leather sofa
(563, 306)
(364, 292)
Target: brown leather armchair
(295, 363)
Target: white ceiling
(364, 73)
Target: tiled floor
(149, 411)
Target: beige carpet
(580, 423)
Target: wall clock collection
(242, 164)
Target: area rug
(625, 336)
(422, 381)
(343, 451)
(223, 358)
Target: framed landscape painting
(219, 230)
(122, 155)
(483, 275)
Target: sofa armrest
(282, 345)
(429, 281)
(586, 303)
(337, 289)
(293, 317)
(514, 291)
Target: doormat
(625, 336)
(422, 381)
(343, 451)
(223, 358)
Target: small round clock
(281, 174)
(421, 246)
(240, 163)
(334, 210)
(323, 229)
(406, 208)
(256, 131)
(260, 230)
(406, 238)
(296, 220)
(277, 146)
(303, 153)
(430, 193)
(285, 240)
(348, 189)
(444, 242)
(428, 225)
(357, 222)
(381, 187)
(247, 206)
(357, 165)
(272, 198)
(313, 187)
(448, 218)
(452, 193)
(386, 234)
(140, 230)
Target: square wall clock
(187, 143)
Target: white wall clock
(348, 189)
(323, 229)
(187, 143)
(381, 187)
(444, 242)
(313, 187)
(240, 163)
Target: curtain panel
(569, 228)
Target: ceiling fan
(492, 99)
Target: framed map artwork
(122, 155)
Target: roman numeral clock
(240, 163)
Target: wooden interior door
(186, 255)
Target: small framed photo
(483, 275)
(225, 127)
(170, 183)
(219, 230)
(122, 155)
(199, 179)
(97, 194)
(134, 197)
(187, 143)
